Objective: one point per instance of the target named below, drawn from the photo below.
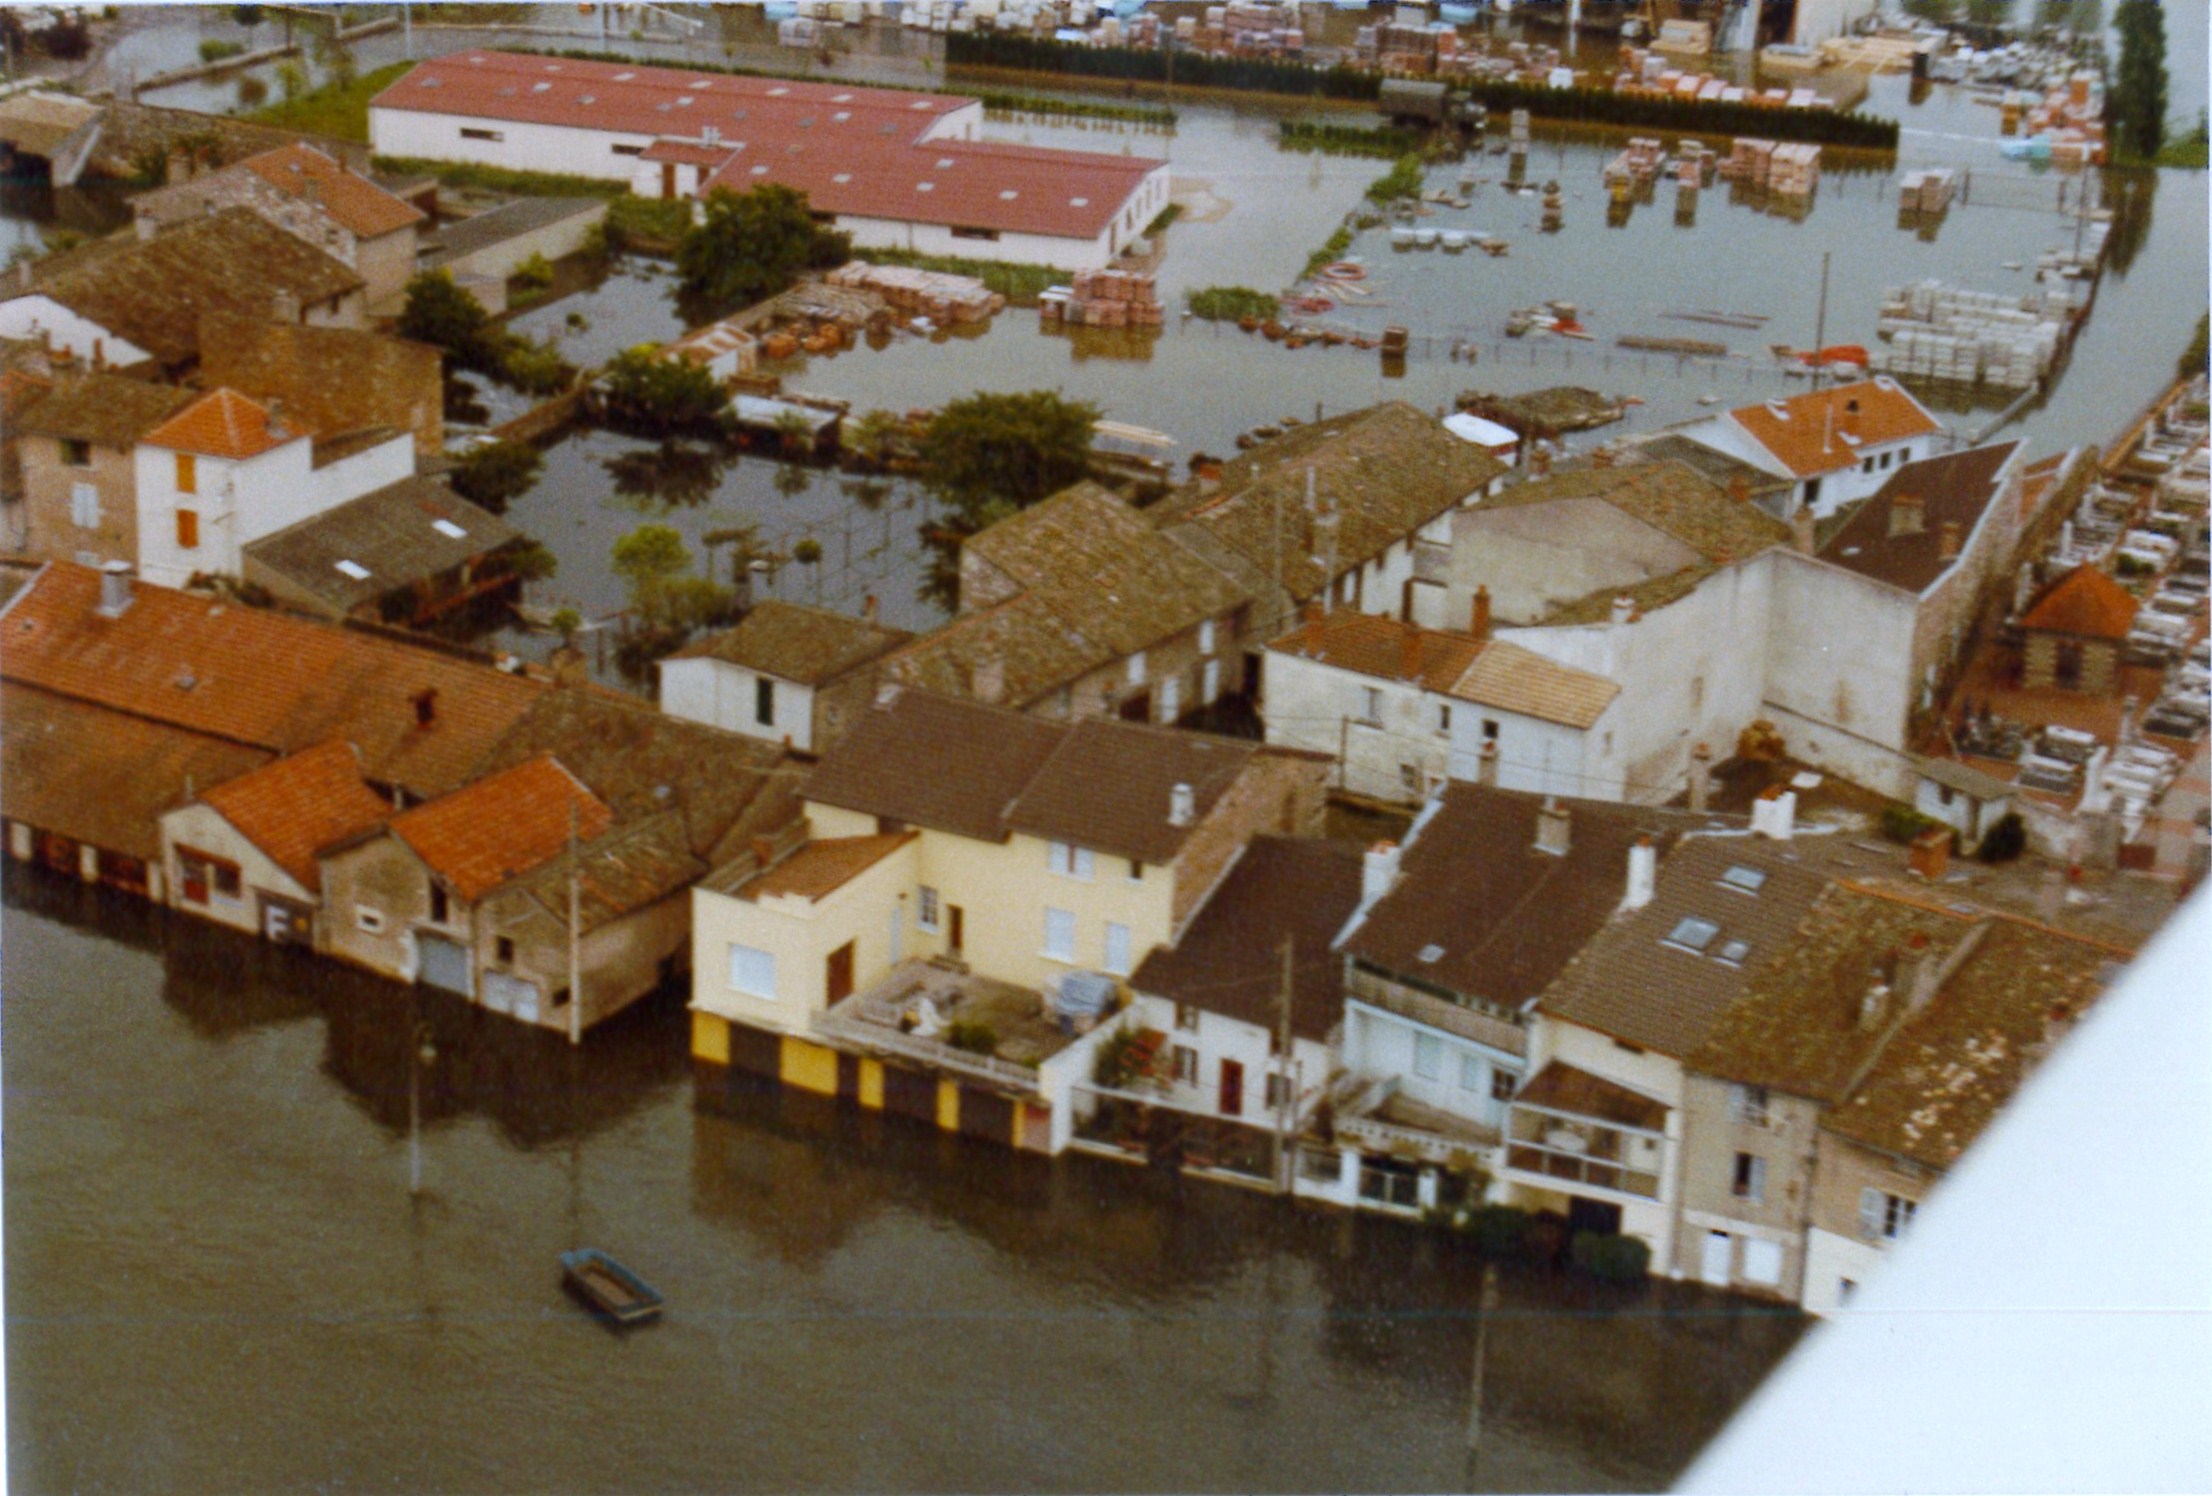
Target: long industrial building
(893, 169)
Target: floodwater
(217, 1280)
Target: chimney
(1950, 537)
(1701, 778)
(1803, 537)
(869, 611)
(1907, 515)
(284, 305)
(1182, 805)
(115, 589)
(1910, 968)
(1486, 764)
(179, 170)
(987, 680)
(570, 668)
(1409, 654)
(1309, 611)
(276, 418)
(1378, 871)
(764, 851)
(1931, 852)
(143, 222)
(426, 706)
(1553, 829)
(23, 274)
(1478, 621)
(1643, 873)
(1774, 813)
(1624, 609)
(1874, 1007)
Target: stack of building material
(945, 299)
(1639, 164)
(1794, 170)
(1934, 331)
(1684, 38)
(1926, 191)
(1518, 131)
(1104, 298)
(1749, 162)
(2072, 118)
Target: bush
(534, 368)
(215, 49)
(1330, 139)
(1402, 181)
(536, 273)
(497, 474)
(1233, 303)
(975, 1038)
(1901, 823)
(1546, 1238)
(644, 391)
(750, 245)
(1332, 249)
(1613, 1258)
(2004, 841)
(1499, 1230)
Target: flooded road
(217, 1281)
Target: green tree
(496, 474)
(665, 596)
(440, 313)
(988, 455)
(2135, 104)
(248, 16)
(642, 388)
(751, 244)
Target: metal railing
(1435, 1013)
(886, 1037)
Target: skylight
(449, 529)
(925, 186)
(353, 569)
(624, 77)
(1429, 954)
(1743, 879)
(777, 93)
(1079, 202)
(1008, 195)
(1693, 934)
(842, 115)
(844, 98)
(842, 177)
(1733, 953)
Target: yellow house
(969, 841)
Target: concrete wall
(554, 241)
(1399, 755)
(382, 877)
(1380, 1044)
(1841, 650)
(49, 485)
(1711, 1139)
(724, 695)
(238, 502)
(621, 960)
(1647, 1072)
(1213, 1038)
(41, 319)
(203, 830)
(1836, 1249)
(387, 263)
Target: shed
(2075, 631)
(1962, 797)
(1501, 442)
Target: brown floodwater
(216, 1279)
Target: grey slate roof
(392, 533)
(510, 220)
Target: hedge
(998, 49)
(1233, 303)
(1616, 1259)
(1386, 141)
(1603, 106)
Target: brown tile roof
(298, 805)
(352, 201)
(1108, 786)
(502, 826)
(726, 787)
(1229, 959)
(1633, 984)
(1806, 433)
(1726, 472)
(1954, 489)
(261, 679)
(1013, 653)
(934, 761)
(102, 777)
(809, 646)
(222, 424)
(2085, 603)
(824, 866)
(628, 869)
(93, 406)
(329, 378)
(1562, 1088)
(154, 291)
(1104, 571)
(393, 534)
(1387, 471)
(1491, 673)
(1671, 497)
(1496, 918)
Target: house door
(1719, 1253)
(668, 180)
(1232, 1089)
(445, 964)
(956, 930)
(840, 974)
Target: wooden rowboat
(612, 1290)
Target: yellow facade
(710, 1037)
(948, 1105)
(871, 1084)
(810, 1067)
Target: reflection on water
(217, 1280)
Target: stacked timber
(1105, 298)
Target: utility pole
(407, 26)
(1482, 1333)
(1820, 324)
(575, 935)
(1284, 1097)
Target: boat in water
(611, 1290)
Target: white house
(892, 168)
(787, 674)
(226, 470)
(1836, 445)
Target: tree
(440, 313)
(643, 388)
(2135, 105)
(248, 16)
(667, 602)
(496, 474)
(989, 454)
(751, 244)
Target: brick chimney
(869, 611)
(1602, 457)
(1554, 829)
(1908, 515)
(1478, 618)
(1309, 611)
(1931, 852)
(1950, 537)
(1539, 459)
(1739, 489)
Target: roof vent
(1008, 195)
(1554, 829)
(1182, 805)
(115, 589)
(925, 186)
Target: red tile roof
(2085, 602)
(261, 679)
(687, 153)
(299, 805)
(1824, 431)
(501, 827)
(352, 201)
(853, 151)
(222, 424)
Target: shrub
(535, 272)
(1901, 823)
(534, 368)
(1402, 181)
(252, 92)
(2005, 840)
(1232, 303)
(496, 474)
(215, 49)
(1546, 1239)
(643, 390)
(1499, 1230)
(1613, 1258)
(975, 1038)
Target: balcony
(1377, 991)
(884, 1018)
(1571, 1127)
(1370, 1114)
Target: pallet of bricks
(1749, 162)
(1105, 298)
(945, 299)
(1926, 191)
(1794, 170)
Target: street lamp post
(421, 1052)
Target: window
(1136, 871)
(991, 234)
(1186, 1064)
(1471, 1070)
(207, 876)
(1748, 1104)
(628, 150)
(1692, 934)
(1136, 668)
(188, 473)
(764, 701)
(752, 972)
(1278, 1090)
(84, 506)
(926, 907)
(1171, 697)
(1762, 1262)
(1751, 1178)
(75, 453)
(1867, 466)
(1501, 1085)
(1743, 879)
(368, 921)
(1489, 730)
(1186, 1018)
(1733, 953)
(1117, 950)
(1370, 703)
(470, 133)
(1060, 934)
(503, 951)
(1206, 637)
(1320, 1165)
(1883, 1217)
(1428, 1056)
(441, 907)
(1070, 861)
(1443, 721)
(188, 529)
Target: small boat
(1452, 241)
(612, 1290)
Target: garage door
(506, 994)
(445, 964)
